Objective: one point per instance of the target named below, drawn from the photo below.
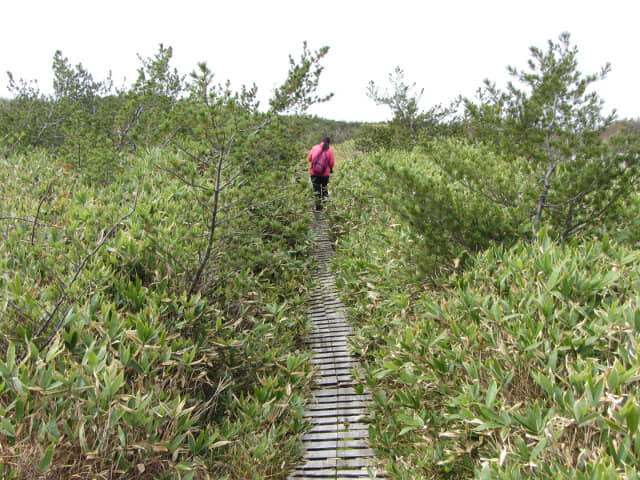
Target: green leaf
(54, 350)
(491, 394)
(632, 416)
(46, 459)
(7, 428)
(11, 358)
(538, 448)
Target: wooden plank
(323, 377)
(328, 336)
(321, 342)
(348, 366)
(354, 453)
(323, 320)
(325, 464)
(324, 336)
(356, 462)
(336, 391)
(338, 427)
(330, 315)
(339, 412)
(332, 399)
(332, 369)
(333, 326)
(340, 463)
(335, 444)
(323, 358)
(328, 363)
(346, 420)
(342, 333)
(337, 349)
(327, 358)
(335, 413)
(369, 473)
(342, 400)
(319, 355)
(340, 359)
(318, 344)
(334, 381)
(342, 362)
(338, 405)
(336, 436)
(342, 373)
(338, 375)
(328, 474)
(326, 323)
(331, 331)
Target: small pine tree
(550, 115)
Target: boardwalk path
(336, 446)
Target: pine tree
(550, 115)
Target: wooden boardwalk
(336, 446)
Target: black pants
(320, 188)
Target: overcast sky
(447, 47)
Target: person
(321, 163)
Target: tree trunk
(543, 196)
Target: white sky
(447, 47)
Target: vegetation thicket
(155, 262)
(492, 272)
(154, 270)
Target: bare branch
(44, 198)
(28, 220)
(182, 179)
(64, 297)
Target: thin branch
(45, 196)
(213, 224)
(83, 263)
(184, 180)
(489, 196)
(186, 152)
(252, 206)
(110, 232)
(28, 220)
(580, 225)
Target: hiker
(321, 162)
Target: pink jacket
(331, 161)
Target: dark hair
(326, 141)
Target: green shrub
(516, 361)
(107, 367)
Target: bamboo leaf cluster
(517, 359)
